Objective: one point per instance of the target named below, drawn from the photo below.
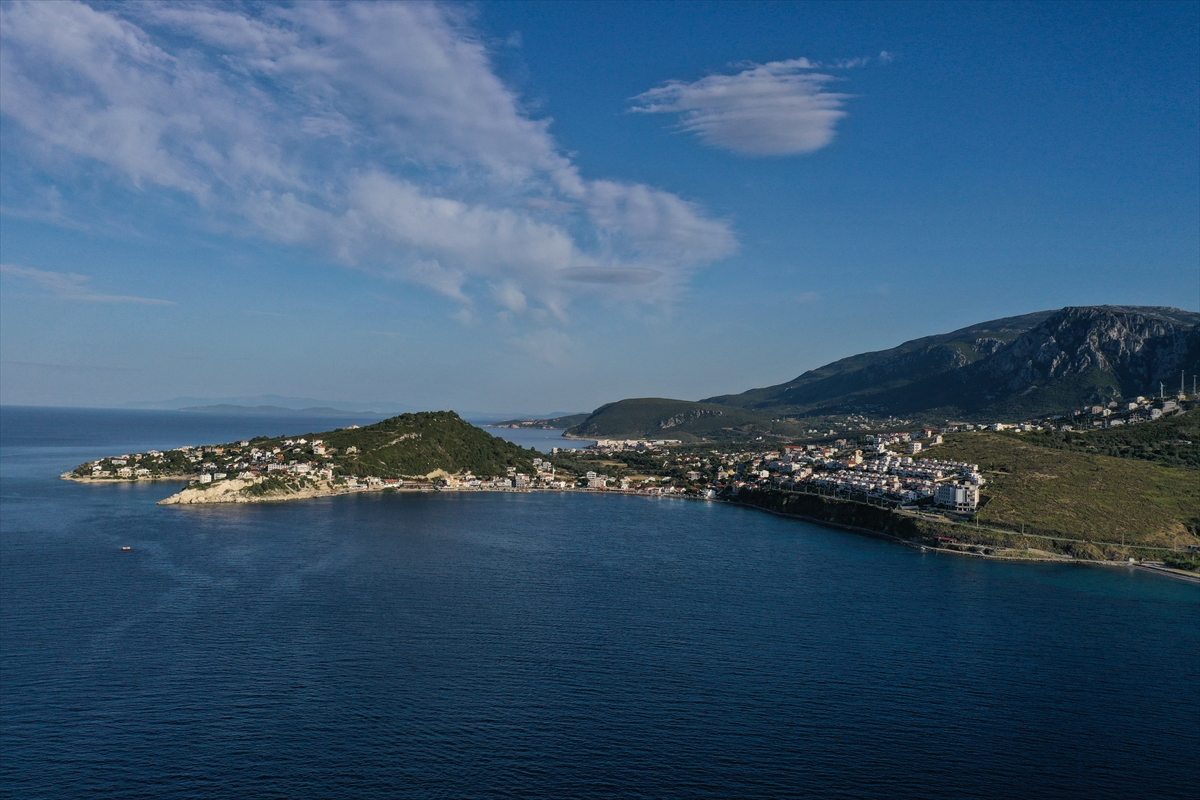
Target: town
(897, 469)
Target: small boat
(126, 548)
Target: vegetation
(420, 444)
(407, 446)
(1079, 495)
(1188, 561)
(267, 486)
(660, 418)
(1173, 440)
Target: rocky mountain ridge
(1039, 364)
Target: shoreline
(67, 476)
(230, 494)
(1063, 559)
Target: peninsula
(1026, 491)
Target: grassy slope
(1080, 495)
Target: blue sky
(539, 207)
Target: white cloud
(72, 286)
(780, 108)
(376, 132)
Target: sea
(549, 645)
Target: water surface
(550, 645)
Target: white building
(961, 497)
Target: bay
(549, 645)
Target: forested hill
(407, 446)
(417, 444)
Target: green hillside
(1172, 440)
(407, 446)
(1078, 494)
(662, 418)
(418, 444)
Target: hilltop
(420, 446)
(1039, 364)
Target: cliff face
(1137, 348)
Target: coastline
(977, 551)
(231, 492)
(67, 476)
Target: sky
(543, 207)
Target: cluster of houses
(1112, 414)
(883, 477)
(214, 463)
(866, 469)
(626, 445)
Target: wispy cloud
(378, 133)
(71, 286)
(775, 109)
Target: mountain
(663, 418)
(1038, 364)
(1033, 365)
(851, 380)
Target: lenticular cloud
(376, 132)
(780, 108)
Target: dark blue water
(543, 440)
(468, 645)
